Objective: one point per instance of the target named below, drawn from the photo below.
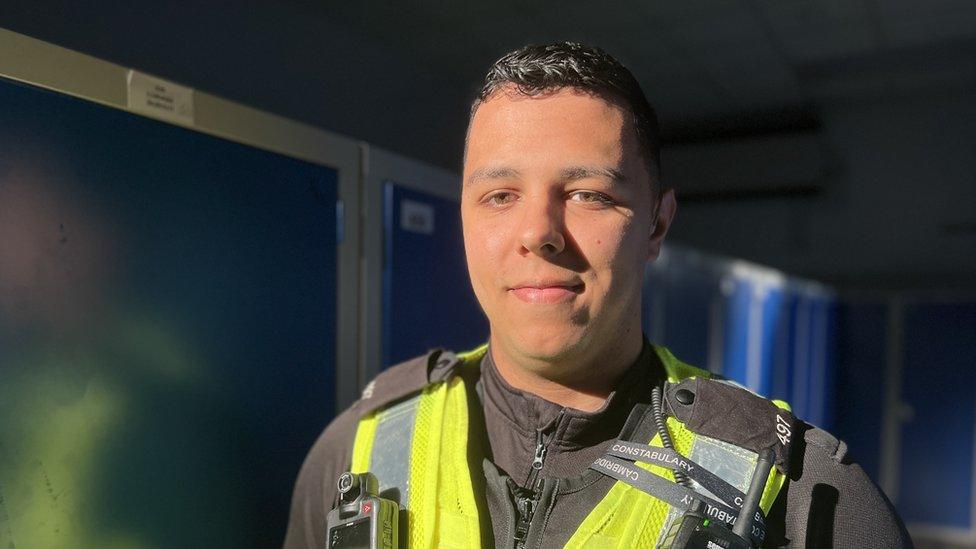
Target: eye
(590, 197)
(500, 198)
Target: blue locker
(801, 356)
(167, 328)
(753, 311)
(738, 293)
(820, 372)
(691, 290)
(783, 345)
(861, 368)
(830, 364)
(772, 300)
(653, 300)
(427, 297)
(752, 325)
(936, 461)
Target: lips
(546, 292)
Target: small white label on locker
(159, 98)
(416, 217)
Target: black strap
(673, 494)
(666, 457)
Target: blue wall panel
(428, 301)
(167, 329)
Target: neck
(580, 382)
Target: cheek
(484, 249)
(482, 244)
(607, 242)
(616, 252)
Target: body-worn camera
(695, 531)
(362, 520)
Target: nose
(542, 228)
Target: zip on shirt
(527, 499)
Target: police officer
(562, 206)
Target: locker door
(691, 290)
(753, 309)
(820, 390)
(784, 340)
(862, 334)
(936, 460)
(801, 355)
(427, 297)
(167, 328)
(772, 303)
(738, 298)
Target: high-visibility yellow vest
(423, 453)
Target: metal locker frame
(379, 167)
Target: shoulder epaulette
(731, 413)
(405, 379)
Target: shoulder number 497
(783, 432)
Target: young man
(562, 206)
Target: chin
(548, 342)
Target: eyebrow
(585, 172)
(493, 173)
(571, 173)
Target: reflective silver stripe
(731, 463)
(390, 457)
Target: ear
(667, 206)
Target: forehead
(567, 120)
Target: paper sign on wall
(159, 98)
(416, 217)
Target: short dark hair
(537, 69)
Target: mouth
(546, 292)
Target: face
(559, 220)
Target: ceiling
(702, 59)
(706, 64)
